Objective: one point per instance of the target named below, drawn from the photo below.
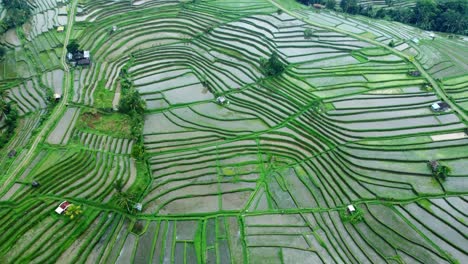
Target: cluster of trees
(352, 217)
(2, 52)
(18, 12)
(131, 102)
(449, 16)
(125, 200)
(73, 46)
(133, 105)
(73, 211)
(328, 3)
(272, 66)
(10, 115)
(439, 171)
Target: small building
(83, 62)
(414, 73)
(35, 184)
(79, 58)
(78, 55)
(439, 106)
(62, 207)
(318, 6)
(415, 40)
(60, 29)
(221, 100)
(138, 207)
(432, 35)
(350, 208)
(57, 97)
(114, 28)
(12, 153)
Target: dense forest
(17, 13)
(445, 16)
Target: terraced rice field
(266, 178)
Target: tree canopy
(449, 16)
(272, 66)
(2, 52)
(73, 46)
(17, 13)
(10, 115)
(131, 101)
(442, 172)
(73, 211)
(349, 6)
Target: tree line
(133, 105)
(17, 13)
(9, 115)
(449, 16)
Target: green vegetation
(103, 97)
(180, 175)
(353, 218)
(9, 115)
(445, 16)
(73, 46)
(330, 4)
(142, 180)
(74, 211)
(114, 124)
(2, 52)
(131, 102)
(17, 13)
(349, 6)
(273, 65)
(308, 33)
(439, 171)
(126, 201)
(118, 185)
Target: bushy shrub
(73, 46)
(308, 33)
(272, 66)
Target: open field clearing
(347, 154)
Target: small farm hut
(62, 207)
(439, 106)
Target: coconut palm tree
(125, 200)
(73, 211)
(118, 185)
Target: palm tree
(73, 211)
(125, 200)
(118, 185)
